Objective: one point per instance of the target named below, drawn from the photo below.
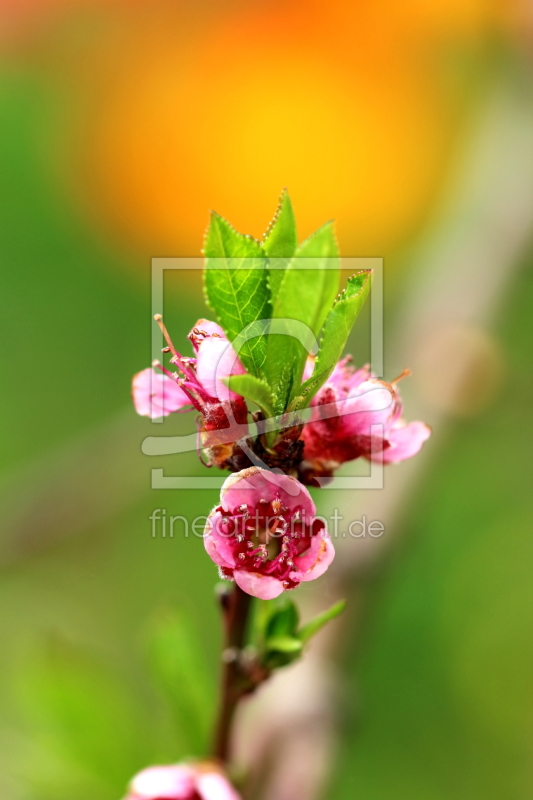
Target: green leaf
(311, 281)
(236, 287)
(276, 272)
(322, 250)
(275, 632)
(337, 327)
(283, 620)
(307, 390)
(280, 242)
(280, 239)
(280, 651)
(174, 651)
(253, 389)
(308, 631)
(309, 286)
(285, 644)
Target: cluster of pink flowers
(181, 782)
(264, 534)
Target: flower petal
(405, 441)
(219, 546)
(316, 560)
(371, 403)
(217, 359)
(156, 395)
(253, 484)
(175, 782)
(263, 586)
(343, 380)
(212, 786)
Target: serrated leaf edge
(277, 212)
(331, 222)
(340, 297)
(295, 406)
(232, 228)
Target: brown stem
(235, 682)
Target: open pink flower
(264, 534)
(196, 382)
(181, 782)
(355, 414)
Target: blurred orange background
(170, 109)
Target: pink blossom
(196, 382)
(156, 395)
(264, 534)
(181, 782)
(405, 440)
(215, 359)
(344, 413)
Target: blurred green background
(122, 124)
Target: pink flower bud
(156, 395)
(181, 782)
(355, 414)
(264, 534)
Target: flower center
(267, 537)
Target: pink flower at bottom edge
(264, 534)
(181, 782)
